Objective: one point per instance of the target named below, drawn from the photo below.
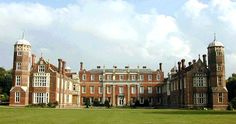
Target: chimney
(179, 66)
(194, 61)
(98, 67)
(144, 67)
(189, 63)
(126, 67)
(81, 66)
(160, 66)
(59, 65)
(204, 59)
(183, 63)
(114, 68)
(63, 67)
(33, 60)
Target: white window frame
(19, 53)
(17, 97)
(133, 77)
(158, 77)
(149, 77)
(18, 80)
(100, 89)
(100, 77)
(83, 89)
(141, 90)
(84, 77)
(108, 89)
(18, 65)
(133, 90)
(41, 68)
(220, 97)
(121, 77)
(121, 90)
(92, 77)
(149, 90)
(109, 77)
(91, 88)
(141, 77)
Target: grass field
(113, 116)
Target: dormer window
(41, 68)
(84, 77)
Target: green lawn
(114, 116)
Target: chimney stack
(189, 63)
(194, 61)
(160, 66)
(144, 67)
(63, 67)
(179, 66)
(33, 60)
(183, 63)
(204, 59)
(81, 66)
(59, 65)
(98, 67)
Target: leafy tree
(231, 86)
(233, 102)
(146, 102)
(5, 80)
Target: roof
(23, 42)
(122, 70)
(215, 44)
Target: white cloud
(193, 8)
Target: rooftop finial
(214, 36)
(23, 35)
(41, 54)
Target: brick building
(198, 84)
(120, 87)
(41, 82)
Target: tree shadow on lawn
(192, 112)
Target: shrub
(146, 102)
(233, 102)
(230, 107)
(87, 103)
(137, 103)
(107, 104)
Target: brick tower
(19, 93)
(216, 63)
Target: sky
(118, 32)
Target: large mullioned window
(40, 98)
(17, 97)
(200, 80)
(200, 98)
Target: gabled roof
(121, 70)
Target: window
(149, 77)
(83, 89)
(18, 80)
(92, 77)
(91, 99)
(108, 90)
(121, 77)
(200, 80)
(84, 77)
(74, 87)
(100, 90)
(158, 76)
(18, 66)
(100, 77)
(220, 99)
(141, 90)
(40, 81)
(141, 77)
(109, 77)
(40, 98)
(17, 97)
(92, 90)
(219, 67)
(133, 77)
(141, 100)
(219, 80)
(121, 90)
(19, 53)
(41, 68)
(84, 100)
(200, 98)
(133, 90)
(158, 90)
(149, 90)
(67, 98)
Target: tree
(231, 87)
(5, 80)
(146, 102)
(233, 102)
